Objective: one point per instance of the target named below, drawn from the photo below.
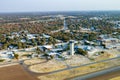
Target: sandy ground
(54, 64)
(116, 78)
(68, 74)
(77, 60)
(49, 66)
(34, 61)
(64, 75)
(15, 72)
(114, 51)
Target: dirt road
(15, 72)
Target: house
(7, 55)
(52, 53)
(85, 29)
(23, 40)
(12, 47)
(46, 48)
(62, 45)
(11, 37)
(103, 36)
(96, 18)
(15, 34)
(110, 42)
(84, 47)
(31, 36)
(57, 49)
(46, 36)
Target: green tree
(46, 56)
(43, 40)
(5, 46)
(81, 51)
(38, 51)
(16, 56)
(19, 45)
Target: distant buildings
(110, 42)
(31, 36)
(95, 18)
(117, 24)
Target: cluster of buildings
(7, 55)
(109, 42)
(61, 49)
(103, 42)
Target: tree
(46, 56)
(43, 40)
(5, 46)
(16, 56)
(38, 51)
(19, 45)
(81, 51)
(51, 40)
(23, 45)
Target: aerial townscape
(58, 46)
(59, 40)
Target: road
(96, 75)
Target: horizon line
(59, 11)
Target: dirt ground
(49, 66)
(15, 72)
(116, 78)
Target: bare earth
(47, 67)
(116, 78)
(15, 72)
(53, 65)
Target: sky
(57, 5)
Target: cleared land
(49, 66)
(73, 72)
(40, 66)
(106, 55)
(114, 51)
(34, 61)
(77, 60)
(68, 74)
(15, 72)
(116, 78)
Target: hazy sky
(57, 5)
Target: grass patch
(1, 60)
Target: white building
(7, 55)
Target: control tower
(72, 47)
